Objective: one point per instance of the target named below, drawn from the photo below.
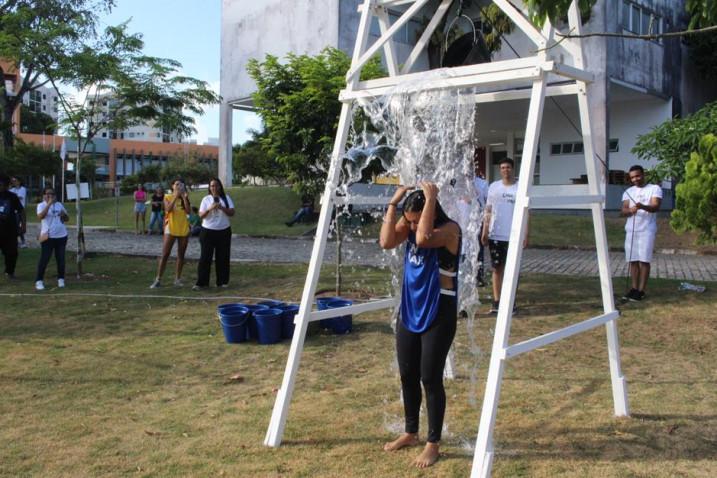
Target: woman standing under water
(427, 323)
(176, 227)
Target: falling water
(420, 134)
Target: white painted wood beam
(422, 42)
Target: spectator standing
(215, 237)
(176, 228)
(11, 211)
(640, 204)
(195, 222)
(53, 237)
(140, 209)
(497, 223)
(21, 193)
(157, 210)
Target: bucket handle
(242, 322)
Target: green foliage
(703, 13)
(541, 10)
(32, 32)
(696, 208)
(147, 175)
(298, 102)
(190, 168)
(251, 159)
(29, 160)
(36, 122)
(672, 142)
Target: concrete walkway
(286, 250)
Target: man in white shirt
(640, 204)
(497, 222)
(21, 192)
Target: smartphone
(216, 198)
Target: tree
(190, 168)
(298, 102)
(251, 159)
(36, 122)
(29, 160)
(31, 34)
(696, 206)
(672, 142)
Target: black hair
(507, 160)
(415, 203)
(195, 209)
(47, 188)
(637, 167)
(222, 194)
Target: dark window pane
(635, 20)
(626, 15)
(646, 17)
(578, 148)
(614, 145)
(567, 148)
(555, 149)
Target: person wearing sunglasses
(428, 310)
(53, 237)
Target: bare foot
(406, 439)
(428, 456)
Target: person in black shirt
(10, 213)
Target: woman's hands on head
(430, 190)
(400, 193)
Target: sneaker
(494, 307)
(195, 287)
(224, 286)
(23, 245)
(61, 283)
(39, 285)
(632, 294)
(289, 224)
(178, 283)
(155, 284)
(10, 276)
(637, 295)
(642, 294)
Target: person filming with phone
(176, 228)
(53, 237)
(215, 237)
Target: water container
(343, 324)
(288, 312)
(234, 322)
(268, 325)
(252, 333)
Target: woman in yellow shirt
(176, 226)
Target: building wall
(253, 29)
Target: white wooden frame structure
(498, 75)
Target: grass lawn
(140, 386)
(259, 211)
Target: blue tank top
(421, 285)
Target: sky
(187, 31)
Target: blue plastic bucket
(288, 312)
(272, 304)
(322, 304)
(234, 324)
(223, 307)
(268, 325)
(343, 324)
(252, 333)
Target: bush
(696, 208)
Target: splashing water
(418, 134)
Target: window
(578, 148)
(555, 149)
(572, 147)
(104, 134)
(640, 20)
(567, 148)
(131, 135)
(614, 145)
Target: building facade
(638, 84)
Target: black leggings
(421, 358)
(57, 245)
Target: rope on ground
(131, 296)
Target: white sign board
(72, 191)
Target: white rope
(131, 296)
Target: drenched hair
(636, 167)
(507, 160)
(415, 203)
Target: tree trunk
(8, 139)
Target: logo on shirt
(413, 256)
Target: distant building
(42, 100)
(147, 132)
